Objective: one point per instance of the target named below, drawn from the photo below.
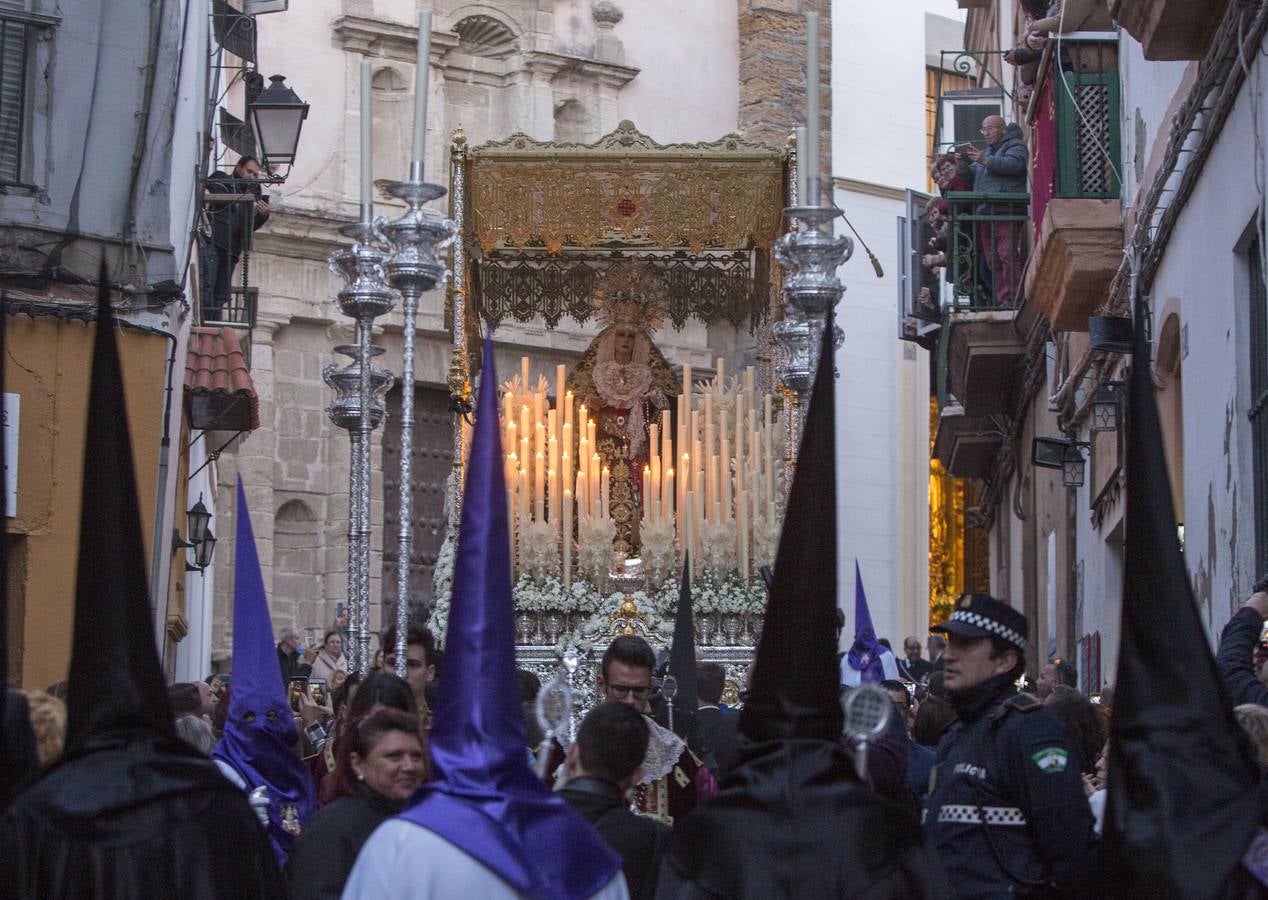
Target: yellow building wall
(47, 362)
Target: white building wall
(878, 141)
(688, 53)
(1204, 271)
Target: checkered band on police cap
(986, 616)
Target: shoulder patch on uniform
(1051, 760)
(1023, 702)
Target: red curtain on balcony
(1043, 153)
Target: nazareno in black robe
(130, 811)
(792, 818)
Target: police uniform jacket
(1006, 812)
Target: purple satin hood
(486, 800)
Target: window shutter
(13, 41)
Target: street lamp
(1073, 467)
(197, 521)
(277, 116)
(1063, 454)
(1106, 409)
(203, 551)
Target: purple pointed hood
(486, 800)
(865, 653)
(260, 734)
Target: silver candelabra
(366, 295)
(412, 268)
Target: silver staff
(412, 268)
(365, 296)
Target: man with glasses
(675, 780)
(914, 668)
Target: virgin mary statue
(625, 382)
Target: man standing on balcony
(229, 235)
(1001, 169)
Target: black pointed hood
(791, 818)
(682, 656)
(116, 682)
(794, 693)
(1183, 804)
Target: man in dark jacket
(232, 224)
(715, 733)
(1005, 812)
(1001, 169)
(603, 764)
(1239, 662)
(290, 658)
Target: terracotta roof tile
(215, 364)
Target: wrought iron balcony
(987, 242)
(1076, 178)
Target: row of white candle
(726, 472)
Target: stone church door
(433, 460)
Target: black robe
(792, 820)
(135, 815)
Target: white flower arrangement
(717, 548)
(766, 531)
(711, 595)
(657, 552)
(442, 586)
(594, 547)
(538, 550)
(549, 595)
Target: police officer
(1006, 811)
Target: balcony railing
(988, 241)
(1074, 116)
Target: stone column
(772, 72)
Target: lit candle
(523, 494)
(654, 470)
(568, 408)
(668, 510)
(725, 462)
(552, 482)
(711, 485)
(422, 65)
(708, 424)
(666, 449)
(607, 490)
(689, 544)
(647, 491)
(539, 438)
(367, 148)
(552, 465)
(653, 439)
(567, 538)
(525, 430)
(539, 486)
(595, 487)
(684, 484)
(510, 515)
(812, 108)
(581, 420)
